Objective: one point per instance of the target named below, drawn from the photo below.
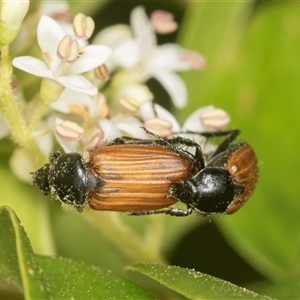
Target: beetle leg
(120, 141)
(54, 156)
(173, 211)
(230, 136)
(199, 160)
(174, 142)
(162, 140)
(129, 140)
(198, 157)
(178, 212)
(146, 213)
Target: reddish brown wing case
(242, 164)
(136, 177)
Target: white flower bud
(12, 14)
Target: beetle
(223, 185)
(128, 175)
(143, 177)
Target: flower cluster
(92, 92)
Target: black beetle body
(67, 178)
(210, 191)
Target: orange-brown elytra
(242, 165)
(137, 177)
(144, 177)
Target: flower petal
(70, 98)
(193, 122)
(77, 83)
(170, 57)
(22, 163)
(113, 35)
(174, 86)
(68, 146)
(32, 65)
(110, 130)
(132, 127)
(149, 110)
(142, 30)
(139, 92)
(49, 34)
(127, 54)
(93, 57)
(44, 137)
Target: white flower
(71, 101)
(163, 123)
(64, 60)
(140, 56)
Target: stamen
(83, 26)
(129, 103)
(95, 139)
(195, 60)
(68, 49)
(69, 131)
(159, 126)
(102, 73)
(215, 119)
(163, 22)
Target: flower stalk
(11, 111)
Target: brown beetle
(145, 177)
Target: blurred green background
(253, 72)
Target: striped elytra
(136, 177)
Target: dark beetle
(145, 177)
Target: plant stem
(37, 116)
(11, 111)
(121, 237)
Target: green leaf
(36, 276)
(30, 205)
(69, 279)
(18, 264)
(214, 29)
(253, 73)
(267, 231)
(192, 284)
